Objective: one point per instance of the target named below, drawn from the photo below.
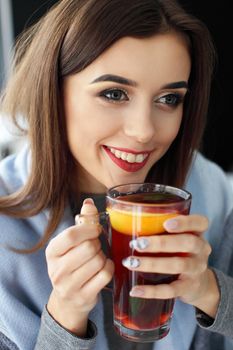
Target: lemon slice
(141, 224)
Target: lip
(129, 167)
(127, 150)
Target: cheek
(79, 123)
(168, 131)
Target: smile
(127, 160)
(129, 157)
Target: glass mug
(135, 210)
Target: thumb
(87, 212)
(88, 207)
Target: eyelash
(112, 99)
(175, 98)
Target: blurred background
(15, 15)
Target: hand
(78, 270)
(196, 284)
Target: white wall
(6, 38)
(9, 140)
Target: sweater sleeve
(223, 321)
(53, 336)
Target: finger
(185, 243)
(70, 283)
(88, 270)
(160, 291)
(78, 256)
(187, 223)
(167, 265)
(100, 280)
(88, 213)
(76, 234)
(177, 289)
(70, 238)
(88, 207)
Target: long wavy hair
(65, 41)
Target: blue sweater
(25, 286)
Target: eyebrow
(115, 79)
(176, 85)
(124, 81)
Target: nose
(139, 124)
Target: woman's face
(125, 109)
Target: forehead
(162, 57)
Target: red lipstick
(123, 164)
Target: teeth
(139, 158)
(118, 154)
(123, 156)
(129, 157)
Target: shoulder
(212, 196)
(206, 170)
(14, 171)
(224, 260)
(18, 232)
(208, 181)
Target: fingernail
(139, 243)
(88, 201)
(131, 262)
(136, 292)
(171, 224)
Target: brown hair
(65, 41)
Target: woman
(110, 94)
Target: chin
(126, 180)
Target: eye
(170, 99)
(114, 95)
